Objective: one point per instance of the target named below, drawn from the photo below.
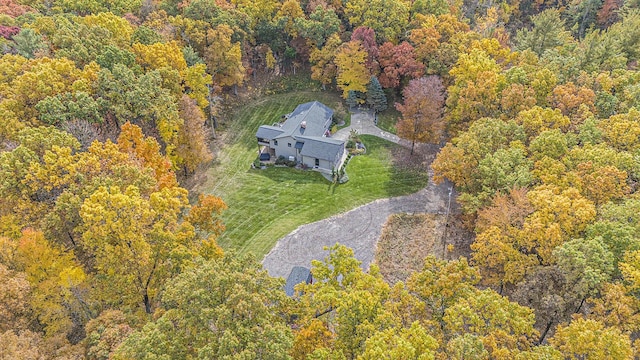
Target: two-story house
(305, 137)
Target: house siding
(283, 149)
(308, 125)
(323, 164)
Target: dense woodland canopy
(107, 106)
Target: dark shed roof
(297, 275)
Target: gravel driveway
(359, 228)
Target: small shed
(297, 275)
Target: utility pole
(446, 226)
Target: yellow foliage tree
(159, 55)
(353, 75)
(223, 57)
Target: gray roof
(297, 275)
(268, 132)
(310, 137)
(321, 147)
(314, 114)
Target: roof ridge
(304, 118)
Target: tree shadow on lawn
(410, 170)
(286, 174)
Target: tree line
(104, 105)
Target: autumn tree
(474, 93)
(517, 98)
(439, 40)
(13, 8)
(105, 333)
(152, 244)
(559, 216)
(345, 299)
(217, 309)
(590, 339)
(398, 63)
(433, 286)
(191, 143)
(505, 328)
(51, 76)
(58, 296)
(458, 160)
(367, 37)
(622, 131)
(400, 343)
(387, 18)
(352, 73)
(15, 289)
(537, 119)
(421, 111)
(224, 57)
(616, 307)
(159, 55)
(323, 68)
(572, 99)
(24, 345)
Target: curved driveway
(359, 228)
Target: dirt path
(359, 228)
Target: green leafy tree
(223, 308)
(412, 343)
(548, 32)
(387, 18)
(63, 108)
(586, 264)
(504, 327)
(322, 23)
(28, 43)
(347, 300)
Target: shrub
(281, 160)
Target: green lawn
(265, 205)
(387, 120)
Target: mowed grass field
(265, 205)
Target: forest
(108, 109)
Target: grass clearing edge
(265, 205)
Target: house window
(317, 162)
(275, 142)
(289, 144)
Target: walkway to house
(359, 228)
(363, 123)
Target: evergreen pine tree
(376, 98)
(352, 99)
